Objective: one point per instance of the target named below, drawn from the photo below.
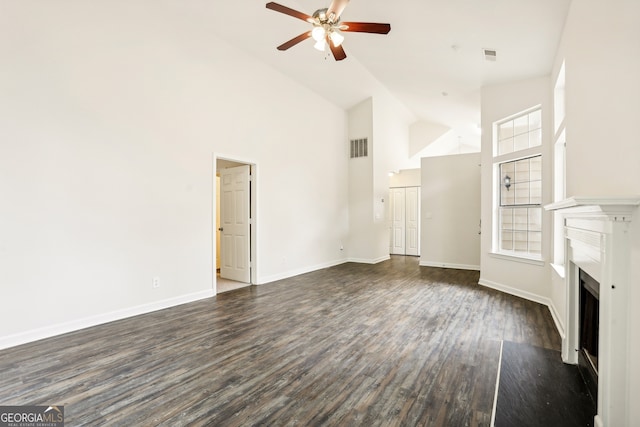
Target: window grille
(520, 133)
(520, 207)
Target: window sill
(517, 258)
(559, 269)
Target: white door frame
(253, 235)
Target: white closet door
(412, 215)
(398, 221)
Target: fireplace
(589, 330)
(595, 326)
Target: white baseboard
(304, 270)
(75, 325)
(298, 271)
(449, 265)
(528, 296)
(370, 261)
(515, 292)
(557, 320)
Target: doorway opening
(234, 224)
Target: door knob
(220, 229)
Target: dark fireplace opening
(589, 327)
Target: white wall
(361, 204)
(600, 49)
(450, 211)
(602, 88)
(406, 178)
(111, 114)
(423, 133)
(498, 102)
(391, 122)
(385, 123)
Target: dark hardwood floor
(537, 389)
(388, 344)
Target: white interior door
(234, 206)
(398, 221)
(412, 215)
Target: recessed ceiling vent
(489, 54)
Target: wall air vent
(489, 54)
(359, 148)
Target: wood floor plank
(381, 345)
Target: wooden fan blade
(288, 11)
(366, 27)
(338, 52)
(336, 7)
(294, 41)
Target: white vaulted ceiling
(432, 61)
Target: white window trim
(559, 178)
(518, 258)
(518, 155)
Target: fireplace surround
(596, 241)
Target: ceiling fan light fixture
(321, 45)
(326, 27)
(318, 33)
(336, 38)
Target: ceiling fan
(327, 26)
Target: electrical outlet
(155, 283)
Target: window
(518, 172)
(521, 207)
(522, 132)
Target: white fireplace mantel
(614, 208)
(596, 240)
